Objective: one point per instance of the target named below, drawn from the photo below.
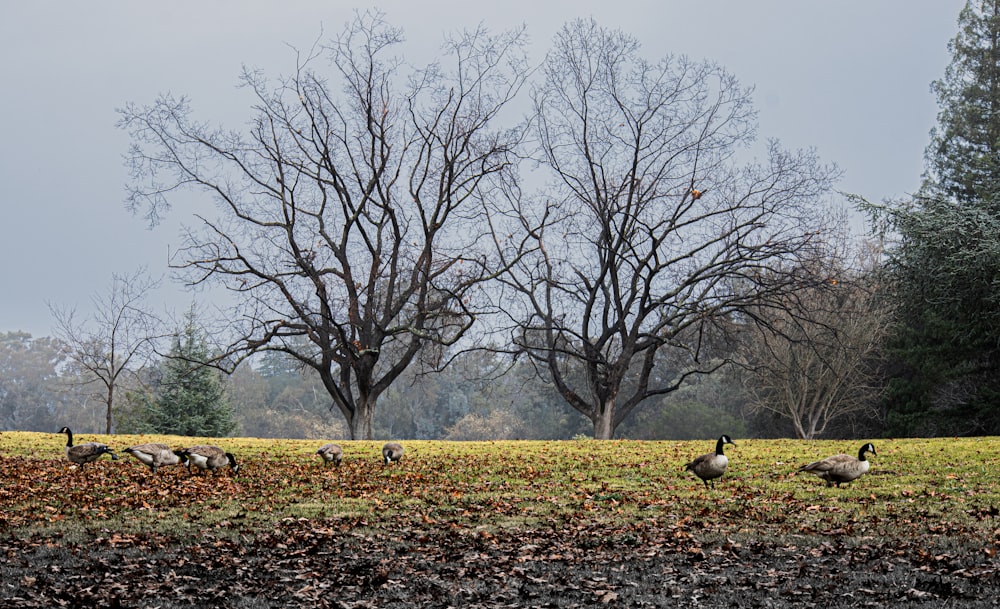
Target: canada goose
(331, 453)
(712, 465)
(210, 458)
(392, 451)
(81, 454)
(841, 468)
(156, 455)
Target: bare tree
(116, 340)
(650, 229)
(816, 359)
(30, 396)
(352, 217)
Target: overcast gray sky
(849, 78)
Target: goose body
(841, 468)
(156, 455)
(208, 457)
(81, 454)
(331, 453)
(711, 465)
(392, 451)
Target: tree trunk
(603, 420)
(360, 422)
(110, 417)
(799, 429)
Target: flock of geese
(837, 469)
(203, 456)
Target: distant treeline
(480, 397)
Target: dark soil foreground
(330, 563)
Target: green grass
(916, 486)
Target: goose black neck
(861, 454)
(69, 438)
(719, 445)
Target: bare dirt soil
(334, 563)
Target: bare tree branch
(815, 358)
(350, 215)
(649, 230)
(115, 342)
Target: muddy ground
(317, 563)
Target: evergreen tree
(962, 159)
(190, 400)
(946, 265)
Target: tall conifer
(963, 158)
(946, 265)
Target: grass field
(915, 486)
(927, 508)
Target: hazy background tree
(30, 397)
(116, 340)
(481, 393)
(281, 398)
(497, 425)
(248, 392)
(945, 260)
(355, 212)
(817, 358)
(275, 396)
(652, 230)
(135, 398)
(704, 408)
(190, 399)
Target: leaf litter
(461, 531)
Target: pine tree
(947, 263)
(963, 158)
(191, 399)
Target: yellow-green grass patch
(916, 486)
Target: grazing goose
(712, 465)
(331, 453)
(209, 457)
(81, 454)
(392, 451)
(841, 468)
(156, 455)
